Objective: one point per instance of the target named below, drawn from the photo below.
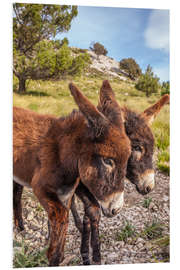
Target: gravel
(135, 249)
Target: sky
(142, 34)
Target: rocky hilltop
(103, 64)
(106, 65)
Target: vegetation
(98, 48)
(130, 66)
(152, 230)
(27, 257)
(33, 26)
(148, 82)
(127, 231)
(165, 88)
(147, 202)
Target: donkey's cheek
(88, 175)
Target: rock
(30, 216)
(112, 251)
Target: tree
(98, 48)
(59, 43)
(79, 63)
(33, 23)
(165, 88)
(148, 82)
(130, 66)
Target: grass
(152, 230)
(162, 255)
(158, 244)
(127, 231)
(147, 202)
(27, 257)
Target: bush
(98, 49)
(43, 65)
(148, 82)
(63, 60)
(130, 66)
(165, 88)
(79, 64)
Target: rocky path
(139, 234)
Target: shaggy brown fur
(51, 155)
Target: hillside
(106, 65)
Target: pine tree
(148, 82)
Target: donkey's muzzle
(113, 204)
(146, 182)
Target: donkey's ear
(150, 113)
(96, 120)
(109, 106)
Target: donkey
(51, 155)
(139, 170)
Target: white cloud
(157, 32)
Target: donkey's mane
(73, 116)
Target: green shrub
(165, 88)
(130, 66)
(148, 82)
(63, 60)
(79, 64)
(98, 48)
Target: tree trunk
(22, 85)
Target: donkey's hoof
(86, 262)
(19, 226)
(96, 263)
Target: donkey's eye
(108, 161)
(137, 148)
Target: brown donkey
(50, 155)
(139, 170)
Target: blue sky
(125, 32)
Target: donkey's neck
(63, 144)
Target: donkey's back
(28, 130)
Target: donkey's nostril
(115, 211)
(148, 189)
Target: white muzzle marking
(148, 180)
(114, 203)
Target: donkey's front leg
(94, 217)
(85, 236)
(17, 208)
(58, 219)
(90, 224)
(58, 215)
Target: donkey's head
(137, 126)
(104, 151)
(140, 166)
